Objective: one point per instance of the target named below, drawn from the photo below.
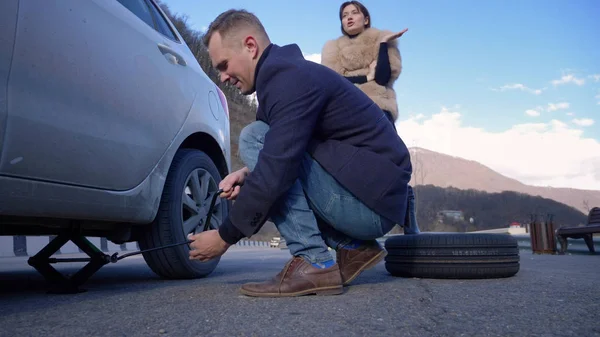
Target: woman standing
(366, 56)
(369, 58)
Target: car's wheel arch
(208, 144)
(199, 140)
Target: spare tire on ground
(452, 255)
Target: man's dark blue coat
(310, 108)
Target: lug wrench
(114, 258)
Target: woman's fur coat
(352, 57)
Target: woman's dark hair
(361, 8)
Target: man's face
(234, 58)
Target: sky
(512, 84)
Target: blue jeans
(317, 211)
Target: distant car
(275, 241)
(108, 128)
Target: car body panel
(31, 198)
(90, 93)
(105, 162)
(8, 23)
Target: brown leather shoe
(298, 278)
(352, 262)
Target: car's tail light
(223, 101)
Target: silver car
(108, 128)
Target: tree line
(193, 39)
(487, 210)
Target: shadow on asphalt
(109, 285)
(364, 279)
(110, 279)
(23, 282)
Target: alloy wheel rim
(198, 190)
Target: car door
(96, 93)
(8, 22)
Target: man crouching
(322, 162)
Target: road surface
(550, 296)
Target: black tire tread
(454, 252)
(458, 260)
(450, 271)
(171, 262)
(454, 240)
(452, 255)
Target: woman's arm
(395, 60)
(357, 79)
(388, 63)
(383, 70)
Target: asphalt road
(550, 296)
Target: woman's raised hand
(393, 36)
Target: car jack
(60, 284)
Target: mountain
(434, 168)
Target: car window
(140, 9)
(163, 26)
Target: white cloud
(519, 86)
(313, 57)
(558, 106)
(570, 114)
(565, 79)
(204, 29)
(595, 77)
(583, 121)
(542, 154)
(598, 98)
(532, 113)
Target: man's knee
(251, 141)
(253, 133)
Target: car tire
(168, 226)
(452, 255)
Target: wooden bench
(580, 232)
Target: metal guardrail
(30, 245)
(34, 243)
(575, 245)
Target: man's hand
(207, 245)
(393, 36)
(227, 184)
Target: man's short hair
(232, 20)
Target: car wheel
(191, 182)
(452, 255)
